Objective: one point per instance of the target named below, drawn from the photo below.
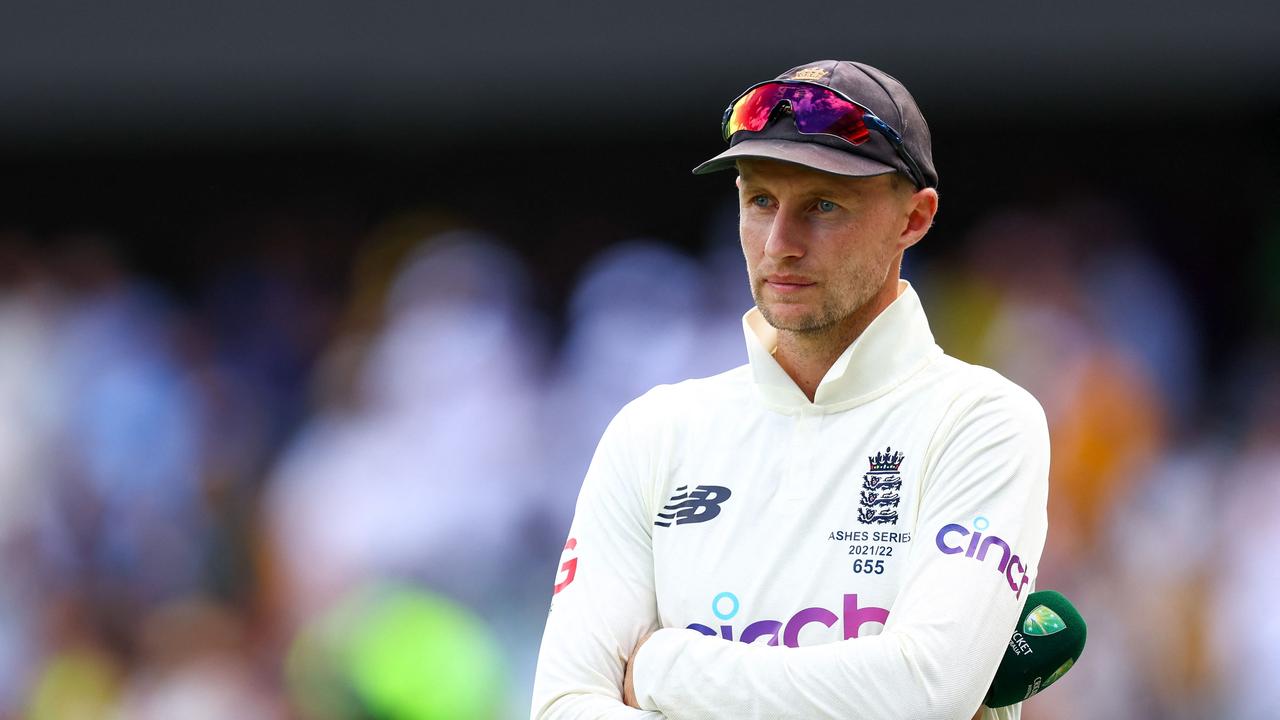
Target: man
(847, 526)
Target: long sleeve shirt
(863, 555)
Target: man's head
(836, 116)
(824, 251)
(833, 187)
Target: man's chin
(792, 318)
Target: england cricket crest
(878, 503)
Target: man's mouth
(788, 283)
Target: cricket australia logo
(880, 487)
(699, 505)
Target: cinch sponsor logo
(978, 547)
(725, 606)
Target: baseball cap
(870, 87)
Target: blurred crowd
(280, 498)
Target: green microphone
(1046, 643)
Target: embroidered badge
(878, 503)
(811, 73)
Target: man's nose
(785, 237)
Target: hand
(628, 683)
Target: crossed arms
(935, 658)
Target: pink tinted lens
(752, 110)
(816, 111)
(820, 111)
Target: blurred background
(311, 315)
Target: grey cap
(874, 89)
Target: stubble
(838, 308)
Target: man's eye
(826, 206)
(760, 201)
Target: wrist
(646, 666)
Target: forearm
(687, 675)
(588, 706)
(580, 675)
(603, 601)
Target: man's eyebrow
(817, 191)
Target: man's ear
(921, 209)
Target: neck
(807, 356)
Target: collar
(896, 345)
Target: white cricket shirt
(864, 555)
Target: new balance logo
(700, 505)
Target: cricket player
(846, 526)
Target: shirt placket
(798, 478)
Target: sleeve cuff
(652, 662)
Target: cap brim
(818, 157)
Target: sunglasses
(817, 110)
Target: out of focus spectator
(428, 473)
(129, 470)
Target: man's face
(818, 246)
